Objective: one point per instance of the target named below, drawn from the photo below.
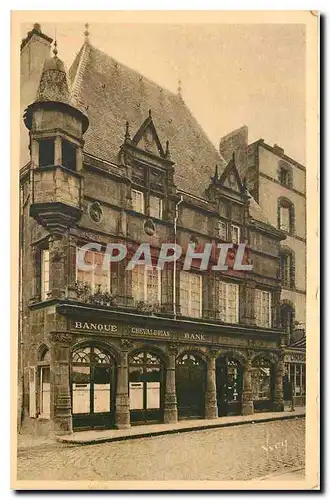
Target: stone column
(122, 396)
(211, 406)
(170, 403)
(60, 407)
(34, 144)
(276, 309)
(211, 297)
(79, 158)
(247, 402)
(58, 151)
(70, 272)
(278, 389)
(57, 265)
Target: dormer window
(69, 155)
(46, 152)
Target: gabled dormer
(228, 193)
(227, 184)
(230, 178)
(145, 145)
(149, 169)
(146, 138)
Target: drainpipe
(174, 267)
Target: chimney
(35, 49)
(236, 142)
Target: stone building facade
(114, 158)
(278, 183)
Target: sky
(231, 74)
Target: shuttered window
(263, 308)
(228, 301)
(190, 294)
(146, 284)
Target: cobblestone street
(240, 453)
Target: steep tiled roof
(115, 94)
(53, 84)
(256, 212)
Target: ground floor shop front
(101, 374)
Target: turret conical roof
(53, 92)
(53, 84)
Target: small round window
(95, 211)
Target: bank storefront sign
(119, 330)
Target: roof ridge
(138, 73)
(78, 77)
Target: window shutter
(32, 392)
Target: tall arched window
(145, 387)
(285, 215)
(287, 268)
(93, 387)
(287, 319)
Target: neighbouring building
(108, 156)
(278, 184)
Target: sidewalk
(139, 431)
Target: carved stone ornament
(213, 352)
(95, 211)
(149, 227)
(232, 179)
(62, 338)
(126, 344)
(173, 347)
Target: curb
(172, 431)
(53, 445)
(270, 476)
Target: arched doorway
(262, 379)
(229, 382)
(146, 375)
(191, 386)
(93, 373)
